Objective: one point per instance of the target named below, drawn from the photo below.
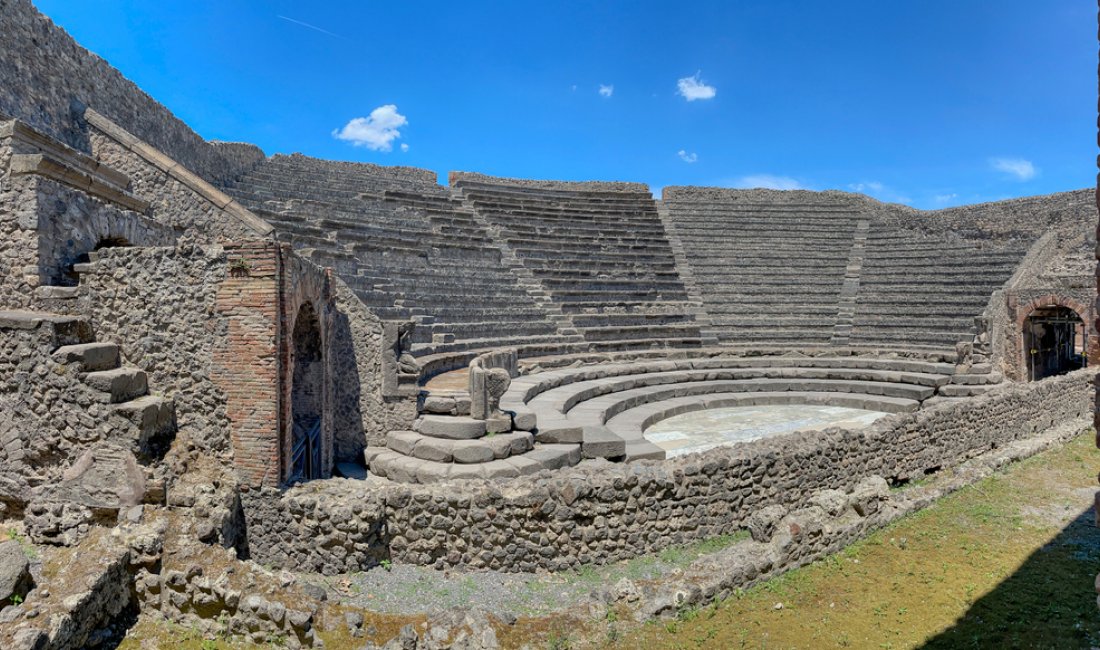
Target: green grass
(1008, 562)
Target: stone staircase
(768, 271)
(447, 447)
(919, 290)
(566, 329)
(848, 293)
(135, 419)
(600, 254)
(683, 265)
(407, 247)
(118, 430)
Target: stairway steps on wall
(90, 356)
(119, 384)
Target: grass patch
(1008, 562)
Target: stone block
(472, 451)
(600, 442)
(434, 449)
(403, 442)
(450, 427)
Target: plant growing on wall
(240, 267)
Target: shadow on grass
(1049, 602)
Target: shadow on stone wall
(1046, 603)
(348, 438)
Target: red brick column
(247, 363)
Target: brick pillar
(247, 363)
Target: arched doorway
(306, 397)
(1055, 341)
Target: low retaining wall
(601, 512)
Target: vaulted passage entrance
(1055, 341)
(307, 391)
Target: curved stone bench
(630, 425)
(572, 405)
(457, 447)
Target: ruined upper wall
(46, 79)
(454, 178)
(341, 168)
(761, 195)
(1071, 214)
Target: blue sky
(926, 102)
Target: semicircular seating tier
(563, 415)
(600, 252)
(800, 267)
(405, 245)
(769, 266)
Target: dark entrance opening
(70, 278)
(1055, 342)
(306, 397)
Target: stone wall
(47, 416)
(242, 157)
(362, 414)
(158, 306)
(601, 512)
(454, 178)
(1023, 218)
(172, 202)
(1066, 213)
(760, 195)
(46, 79)
(395, 173)
(47, 224)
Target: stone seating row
(576, 404)
(406, 253)
(630, 425)
(767, 272)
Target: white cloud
(692, 88)
(404, 147)
(870, 187)
(1019, 168)
(767, 181)
(945, 198)
(607, 91)
(880, 191)
(376, 132)
(687, 157)
(574, 88)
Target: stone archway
(306, 397)
(1054, 336)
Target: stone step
(65, 330)
(642, 450)
(479, 450)
(121, 384)
(154, 421)
(90, 356)
(405, 469)
(965, 390)
(50, 292)
(449, 427)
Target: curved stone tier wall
(456, 178)
(599, 512)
